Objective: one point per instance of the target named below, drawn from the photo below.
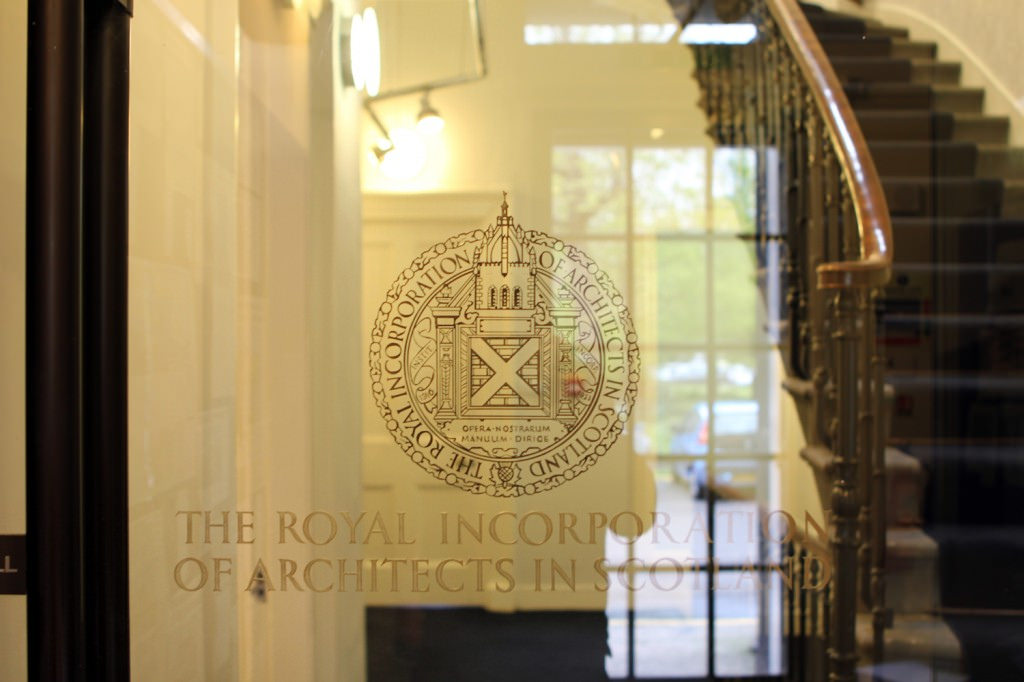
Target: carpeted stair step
(903, 96)
(823, 20)
(895, 70)
(935, 72)
(982, 565)
(878, 29)
(969, 342)
(1013, 198)
(922, 159)
(874, 45)
(831, 23)
(944, 197)
(809, 8)
(873, 69)
(913, 638)
(993, 644)
(905, 483)
(957, 240)
(933, 406)
(913, 49)
(843, 45)
(906, 671)
(955, 289)
(911, 571)
(974, 483)
(981, 129)
(1000, 161)
(905, 126)
(925, 126)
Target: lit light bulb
(355, 52)
(406, 159)
(370, 48)
(429, 122)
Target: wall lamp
(429, 120)
(361, 69)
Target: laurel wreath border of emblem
(516, 490)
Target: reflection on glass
(739, 306)
(684, 532)
(588, 189)
(407, 60)
(745, 402)
(671, 628)
(734, 189)
(671, 292)
(597, 34)
(748, 623)
(745, 535)
(667, 421)
(610, 255)
(617, 611)
(706, 409)
(669, 189)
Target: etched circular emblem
(504, 361)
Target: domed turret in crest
(505, 268)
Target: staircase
(952, 325)
(911, 395)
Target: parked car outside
(736, 426)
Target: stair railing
(780, 95)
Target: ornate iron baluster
(845, 501)
(815, 310)
(879, 519)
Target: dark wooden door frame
(76, 339)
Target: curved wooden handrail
(875, 265)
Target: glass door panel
(13, 69)
(345, 405)
(244, 234)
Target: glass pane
(669, 417)
(746, 403)
(670, 303)
(611, 256)
(241, 296)
(748, 527)
(739, 302)
(671, 629)
(616, 662)
(734, 190)
(549, 23)
(683, 525)
(669, 188)
(13, 73)
(748, 624)
(408, 61)
(588, 190)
